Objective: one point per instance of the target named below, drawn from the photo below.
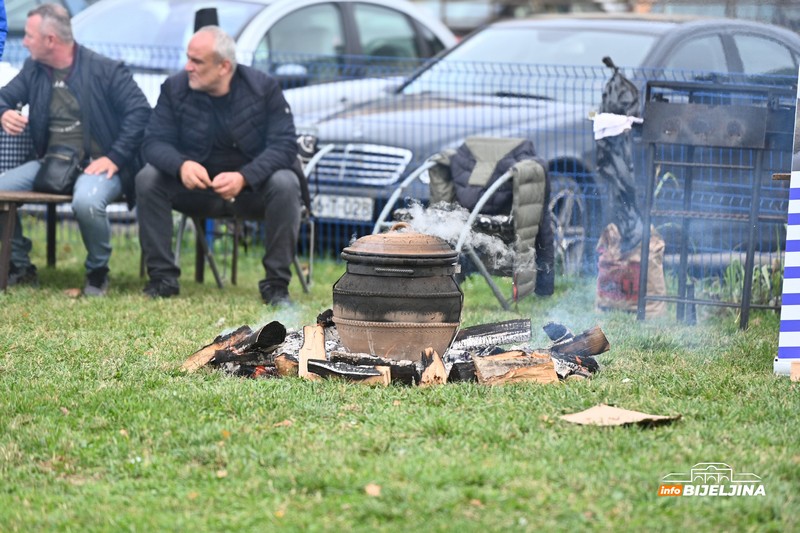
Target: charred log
(402, 371)
(249, 371)
(325, 318)
(266, 339)
(510, 331)
(462, 371)
(362, 374)
(222, 342)
(591, 342)
(557, 332)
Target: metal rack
(684, 120)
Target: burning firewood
(476, 355)
(574, 366)
(249, 371)
(379, 375)
(223, 342)
(591, 342)
(508, 332)
(242, 345)
(434, 372)
(513, 367)
(403, 371)
(257, 348)
(313, 348)
(286, 365)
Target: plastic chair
(529, 176)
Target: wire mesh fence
(383, 127)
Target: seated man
(50, 82)
(221, 142)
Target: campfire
(395, 319)
(490, 354)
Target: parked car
(538, 79)
(301, 42)
(780, 12)
(17, 15)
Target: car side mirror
(393, 85)
(292, 75)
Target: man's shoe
(161, 288)
(275, 295)
(23, 276)
(96, 283)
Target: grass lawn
(100, 431)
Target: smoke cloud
(447, 221)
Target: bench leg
(51, 235)
(9, 211)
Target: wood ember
(286, 365)
(249, 370)
(485, 353)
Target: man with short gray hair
(221, 143)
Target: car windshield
(496, 60)
(155, 23)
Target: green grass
(100, 431)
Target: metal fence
(384, 138)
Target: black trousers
(278, 204)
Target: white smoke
(447, 221)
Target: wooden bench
(9, 202)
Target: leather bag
(59, 170)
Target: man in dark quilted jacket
(221, 142)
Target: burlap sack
(618, 274)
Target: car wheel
(569, 220)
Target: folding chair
(234, 229)
(528, 222)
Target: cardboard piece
(794, 374)
(606, 415)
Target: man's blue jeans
(91, 196)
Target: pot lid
(401, 241)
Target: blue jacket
(119, 109)
(3, 28)
(261, 123)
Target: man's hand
(13, 122)
(102, 165)
(228, 184)
(194, 175)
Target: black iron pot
(399, 295)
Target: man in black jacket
(52, 84)
(221, 142)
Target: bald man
(221, 143)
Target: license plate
(342, 207)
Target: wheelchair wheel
(570, 224)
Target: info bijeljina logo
(711, 479)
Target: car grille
(362, 164)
